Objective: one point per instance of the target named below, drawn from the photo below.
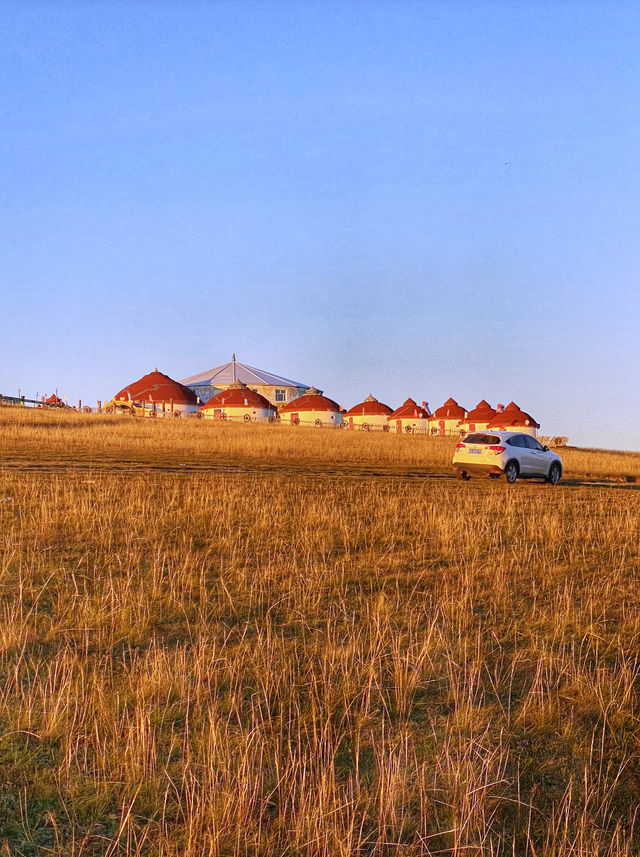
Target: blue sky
(425, 199)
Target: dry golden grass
(295, 645)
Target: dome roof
(312, 400)
(451, 410)
(370, 407)
(512, 416)
(157, 387)
(409, 410)
(481, 413)
(238, 395)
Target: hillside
(230, 640)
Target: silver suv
(514, 454)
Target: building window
(280, 395)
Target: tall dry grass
(57, 436)
(208, 663)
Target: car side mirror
(545, 448)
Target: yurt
(312, 409)
(445, 419)
(277, 389)
(240, 404)
(54, 401)
(370, 415)
(409, 418)
(513, 419)
(478, 418)
(155, 394)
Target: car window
(531, 442)
(482, 438)
(516, 440)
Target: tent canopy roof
(228, 373)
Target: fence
(22, 401)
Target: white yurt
(445, 419)
(312, 409)
(370, 415)
(409, 418)
(239, 404)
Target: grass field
(232, 640)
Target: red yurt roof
(409, 410)
(482, 412)
(56, 400)
(370, 407)
(238, 395)
(513, 417)
(451, 410)
(157, 387)
(312, 400)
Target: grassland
(231, 640)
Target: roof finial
(233, 360)
(233, 356)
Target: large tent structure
(277, 389)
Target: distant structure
(445, 419)
(478, 418)
(275, 388)
(369, 415)
(409, 418)
(54, 401)
(155, 394)
(312, 409)
(514, 419)
(239, 403)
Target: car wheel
(554, 474)
(462, 474)
(511, 472)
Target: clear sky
(424, 199)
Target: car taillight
(497, 449)
(460, 446)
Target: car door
(520, 453)
(538, 458)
